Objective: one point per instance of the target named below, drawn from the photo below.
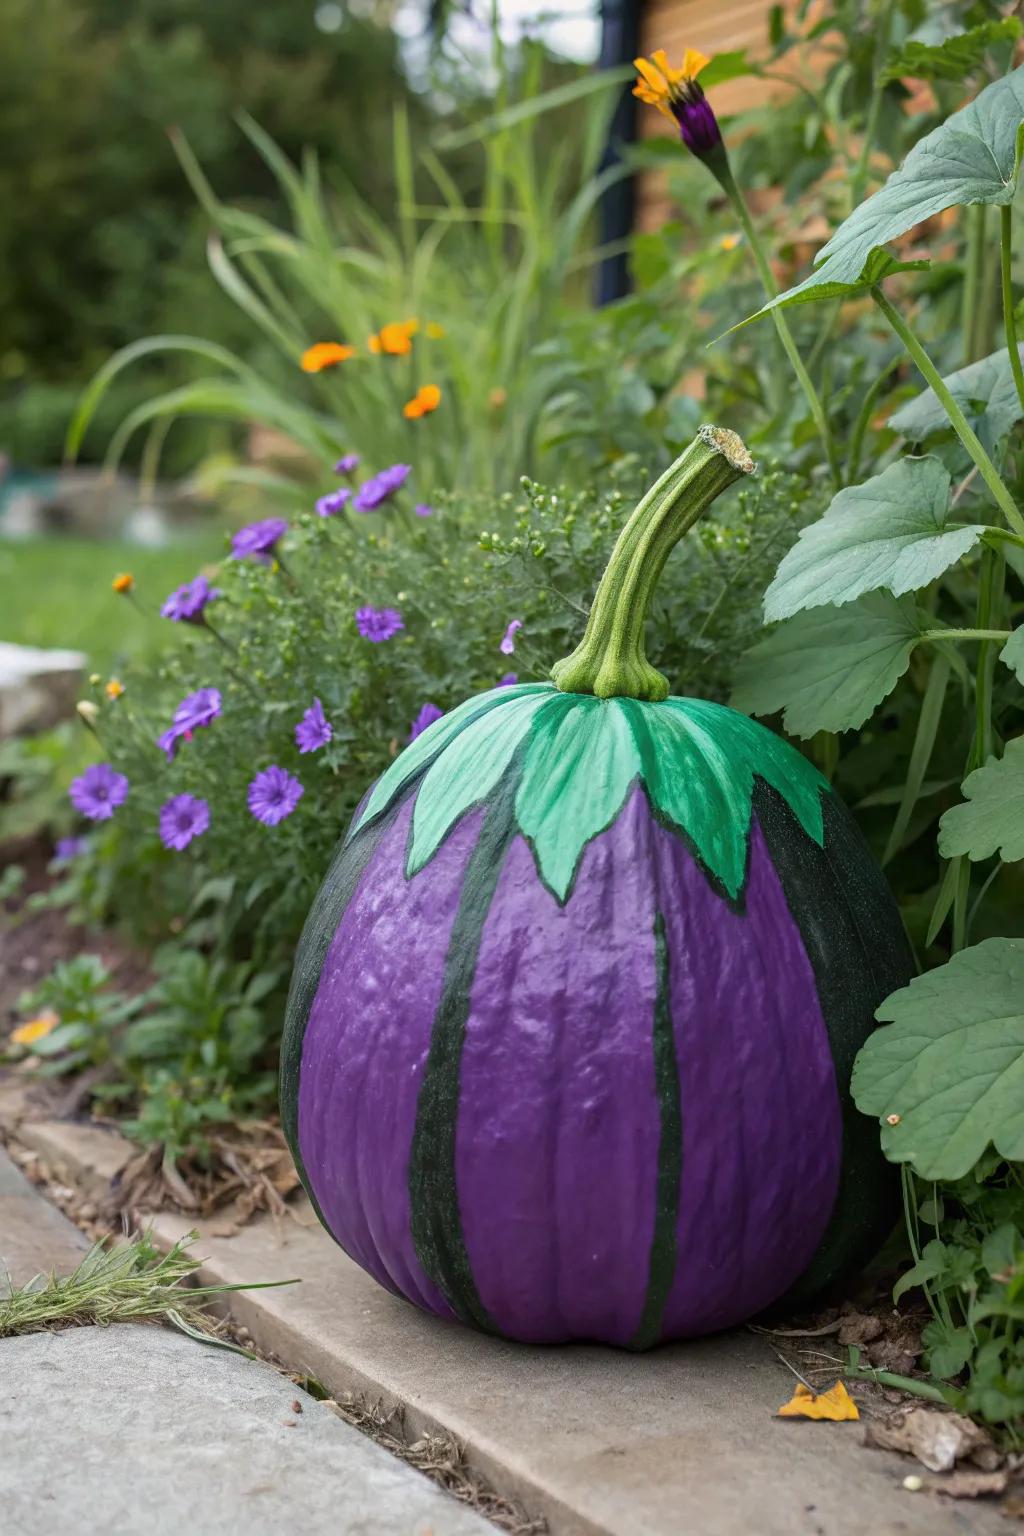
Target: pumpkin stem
(610, 660)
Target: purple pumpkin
(570, 1035)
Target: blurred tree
(100, 240)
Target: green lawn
(57, 591)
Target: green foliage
(955, 57)
(893, 531)
(88, 1013)
(984, 391)
(990, 819)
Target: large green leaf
(1012, 653)
(973, 157)
(947, 1077)
(984, 391)
(830, 669)
(991, 818)
(892, 532)
(953, 58)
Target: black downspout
(620, 43)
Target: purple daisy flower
(314, 729)
(378, 624)
(333, 502)
(273, 795)
(427, 715)
(182, 818)
(68, 848)
(423, 509)
(376, 490)
(186, 605)
(195, 711)
(347, 464)
(98, 792)
(508, 639)
(508, 680)
(258, 540)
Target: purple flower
(182, 818)
(346, 464)
(427, 715)
(378, 624)
(258, 540)
(380, 487)
(186, 605)
(273, 795)
(333, 502)
(195, 711)
(98, 792)
(508, 639)
(314, 729)
(423, 509)
(698, 125)
(69, 848)
(508, 680)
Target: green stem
(770, 287)
(860, 426)
(901, 1383)
(972, 279)
(967, 634)
(1009, 319)
(1000, 494)
(610, 660)
(858, 181)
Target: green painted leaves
(579, 758)
(830, 668)
(947, 1076)
(973, 157)
(892, 532)
(991, 818)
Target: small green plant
(121, 1283)
(76, 1017)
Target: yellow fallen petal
(35, 1029)
(835, 1405)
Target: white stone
(38, 688)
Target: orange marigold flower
(123, 583)
(114, 688)
(395, 338)
(426, 399)
(326, 354)
(678, 96)
(35, 1029)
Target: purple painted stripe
(762, 1127)
(365, 1048)
(558, 1130)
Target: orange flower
(395, 338)
(426, 399)
(326, 354)
(497, 398)
(35, 1029)
(123, 583)
(114, 688)
(661, 84)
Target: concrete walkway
(138, 1428)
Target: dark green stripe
(347, 866)
(853, 937)
(436, 1223)
(670, 1153)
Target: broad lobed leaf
(985, 392)
(991, 817)
(893, 532)
(954, 57)
(949, 1069)
(829, 669)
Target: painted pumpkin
(573, 1018)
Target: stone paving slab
(34, 1236)
(678, 1442)
(129, 1429)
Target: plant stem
(1009, 320)
(1000, 494)
(610, 660)
(902, 1383)
(972, 280)
(967, 634)
(782, 327)
(860, 426)
(858, 181)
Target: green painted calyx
(576, 760)
(610, 661)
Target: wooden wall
(713, 26)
